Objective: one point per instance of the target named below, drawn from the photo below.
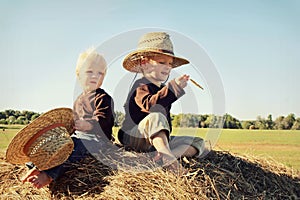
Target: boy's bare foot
(172, 164)
(40, 180)
(157, 157)
(30, 173)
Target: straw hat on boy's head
(45, 142)
(152, 44)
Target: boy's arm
(164, 97)
(103, 115)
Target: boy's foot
(158, 156)
(40, 180)
(30, 173)
(37, 178)
(172, 164)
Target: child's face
(157, 69)
(91, 75)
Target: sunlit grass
(279, 145)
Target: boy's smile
(157, 69)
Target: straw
(195, 83)
(221, 175)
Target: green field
(280, 145)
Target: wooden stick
(195, 83)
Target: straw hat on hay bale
(45, 142)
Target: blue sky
(254, 46)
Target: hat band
(38, 134)
(159, 50)
(166, 51)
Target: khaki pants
(141, 136)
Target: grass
(7, 132)
(280, 145)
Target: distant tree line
(17, 117)
(182, 120)
(227, 121)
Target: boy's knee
(157, 116)
(154, 122)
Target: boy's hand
(82, 125)
(182, 80)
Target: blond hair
(87, 57)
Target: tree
(269, 122)
(16, 117)
(27, 114)
(202, 119)
(11, 119)
(9, 113)
(119, 118)
(3, 121)
(247, 124)
(231, 122)
(214, 121)
(33, 117)
(189, 120)
(2, 115)
(21, 120)
(195, 120)
(176, 120)
(289, 121)
(260, 123)
(296, 125)
(17, 113)
(278, 123)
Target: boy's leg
(184, 150)
(42, 178)
(153, 130)
(187, 146)
(140, 137)
(160, 142)
(79, 152)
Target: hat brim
(131, 61)
(15, 152)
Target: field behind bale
(244, 165)
(282, 146)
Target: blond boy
(93, 115)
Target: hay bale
(82, 179)
(12, 188)
(237, 177)
(220, 175)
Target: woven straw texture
(41, 144)
(152, 44)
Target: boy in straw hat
(147, 123)
(93, 116)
